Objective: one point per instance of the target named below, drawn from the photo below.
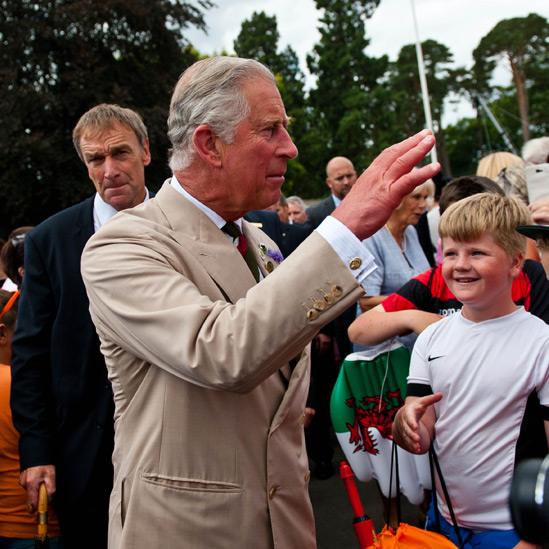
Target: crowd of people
(167, 361)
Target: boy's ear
(516, 264)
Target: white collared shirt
(102, 211)
(344, 242)
(213, 216)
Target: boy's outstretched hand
(414, 424)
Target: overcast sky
(459, 24)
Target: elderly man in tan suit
(210, 369)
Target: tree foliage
(346, 76)
(59, 58)
(523, 43)
(404, 105)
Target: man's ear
(146, 153)
(207, 145)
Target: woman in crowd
(396, 250)
(17, 526)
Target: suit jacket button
(355, 263)
(319, 304)
(269, 266)
(272, 492)
(337, 291)
(312, 314)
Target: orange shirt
(15, 521)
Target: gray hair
(297, 200)
(102, 117)
(210, 92)
(536, 151)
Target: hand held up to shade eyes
(380, 188)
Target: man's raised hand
(380, 188)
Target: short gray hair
(297, 200)
(536, 151)
(210, 92)
(104, 116)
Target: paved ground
(333, 514)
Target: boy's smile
(480, 274)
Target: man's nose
(287, 147)
(111, 168)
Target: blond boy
(471, 373)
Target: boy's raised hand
(413, 427)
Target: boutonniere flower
(269, 257)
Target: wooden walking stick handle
(42, 512)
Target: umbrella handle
(42, 512)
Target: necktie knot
(231, 228)
(233, 231)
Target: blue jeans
(488, 539)
(27, 543)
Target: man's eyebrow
(121, 147)
(93, 153)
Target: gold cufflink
(355, 263)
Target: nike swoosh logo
(430, 358)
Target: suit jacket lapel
(264, 252)
(193, 230)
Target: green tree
(342, 101)
(404, 102)
(59, 58)
(523, 44)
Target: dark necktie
(234, 232)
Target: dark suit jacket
(318, 212)
(61, 398)
(287, 237)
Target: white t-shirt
(485, 371)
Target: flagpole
(423, 81)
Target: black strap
(434, 460)
(394, 459)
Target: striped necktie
(233, 231)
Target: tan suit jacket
(209, 450)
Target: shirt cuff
(348, 247)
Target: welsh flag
(367, 395)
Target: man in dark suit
(61, 397)
(287, 237)
(340, 177)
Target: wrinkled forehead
(97, 134)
